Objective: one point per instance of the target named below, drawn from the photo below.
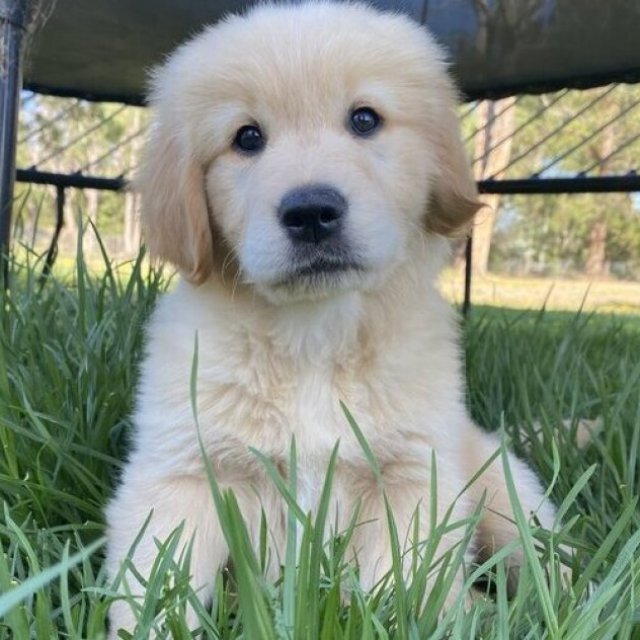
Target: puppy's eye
(249, 138)
(364, 121)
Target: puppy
(303, 169)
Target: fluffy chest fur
(264, 377)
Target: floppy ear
(175, 215)
(454, 198)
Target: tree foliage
(68, 136)
(594, 132)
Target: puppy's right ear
(175, 214)
(454, 200)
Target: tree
(65, 136)
(492, 151)
(595, 130)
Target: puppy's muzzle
(312, 214)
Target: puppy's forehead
(308, 60)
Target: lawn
(560, 294)
(68, 354)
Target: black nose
(312, 213)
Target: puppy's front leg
(174, 500)
(406, 487)
(497, 526)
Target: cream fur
(274, 362)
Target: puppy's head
(305, 145)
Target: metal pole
(576, 184)
(52, 253)
(468, 253)
(13, 18)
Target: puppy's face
(304, 146)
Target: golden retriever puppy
(303, 168)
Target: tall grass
(68, 360)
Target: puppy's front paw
(121, 617)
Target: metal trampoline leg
(468, 252)
(13, 19)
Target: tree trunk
(496, 123)
(131, 235)
(131, 230)
(597, 252)
(93, 208)
(596, 265)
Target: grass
(560, 294)
(68, 355)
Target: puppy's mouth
(321, 270)
(324, 266)
(315, 273)
(316, 267)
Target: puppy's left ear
(454, 198)
(175, 214)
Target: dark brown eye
(364, 121)
(249, 138)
